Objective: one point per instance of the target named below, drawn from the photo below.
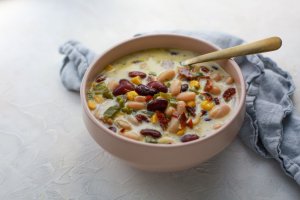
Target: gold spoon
(265, 45)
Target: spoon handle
(265, 45)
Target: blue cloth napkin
(271, 126)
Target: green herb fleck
(90, 95)
(127, 110)
(173, 102)
(152, 74)
(121, 101)
(101, 88)
(150, 139)
(111, 112)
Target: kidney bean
(123, 87)
(141, 118)
(100, 78)
(145, 90)
(191, 110)
(227, 95)
(157, 104)
(163, 121)
(184, 87)
(204, 69)
(229, 80)
(114, 129)
(219, 111)
(216, 100)
(189, 137)
(137, 73)
(208, 85)
(150, 132)
(160, 87)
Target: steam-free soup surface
(149, 97)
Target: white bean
(166, 75)
(229, 80)
(180, 107)
(219, 111)
(173, 125)
(175, 87)
(165, 140)
(216, 77)
(186, 96)
(215, 90)
(112, 84)
(217, 126)
(123, 124)
(140, 98)
(132, 120)
(131, 135)
(136, 105)
(170, 110)
(196, 120)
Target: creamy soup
(149, 97)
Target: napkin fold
(271, 126)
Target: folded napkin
(271, 127)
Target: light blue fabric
(271, 127)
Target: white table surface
(45, 149)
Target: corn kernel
(99, 98)
(154, 119)
(136, 80)
(191, 103)
(207, 105)
(92, 105)
(131, 95)
(180, 132)
(194, 84)
(108, 68)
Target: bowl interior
(160, 41)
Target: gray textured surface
(45, 151)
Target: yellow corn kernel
(108, 68)
(180, 132)
(99, 98)
(191, 103)
(131, 95)
(207, 105)
(136, 80)
(92, 104)
(195, 84)
(154, 119)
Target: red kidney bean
(191, 110)
(123, 87)
(160, 87)
(150, 132)
(163, 121)
(137, 73)
(114, 129)
(208, 85)
(145, 90)
(203, 112)
(100, 78)
(229, 93)
(204, 69)
(189, 137)
(184, 87)
(216, 100)
(157, 104)
(141, 118)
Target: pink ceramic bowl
(162, 157)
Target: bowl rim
(103, 128)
